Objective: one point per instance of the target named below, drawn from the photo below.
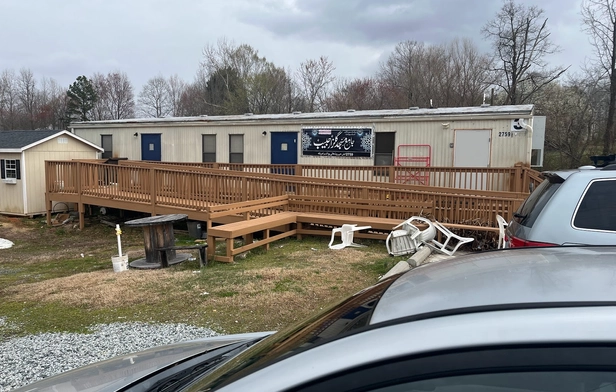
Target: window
(536, 157)
(10, 169)
(530, 369)
(236, 148)
(529, 211)
(107, 144)
(597, 210)
(209, 148)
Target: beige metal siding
(181, 141)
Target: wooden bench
(322, 224)
(247, 229)
(200, 247)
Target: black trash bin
(195, 229)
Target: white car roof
(514, 278)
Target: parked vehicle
(570, 207)
(534, 319)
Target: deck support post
(48, 203)
(82, 213)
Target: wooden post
(48, 203)
(517, 185)
(153, 189)
(82, 213)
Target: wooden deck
(221, 196)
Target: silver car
(534, 319)
(570, 207)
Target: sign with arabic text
(337, 142)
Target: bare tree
(358, 94)
(522, 42)
(120, 96)
(26, 93)
(175, 89)
(315, 77)
(576, 111)
(154, 98)
(469, 73)
(51, 105)
(453, 74)
(9, 109)
(599, 19)
(100, 109)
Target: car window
(547, 368)
(597, 209)
(529, 211)
(548, 381)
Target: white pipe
(118, 234)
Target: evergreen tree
(81, 99)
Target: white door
(472, 148)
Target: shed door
(472, 148)
(150, 147)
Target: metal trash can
(194, 229)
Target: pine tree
(81, 99)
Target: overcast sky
(63, 39)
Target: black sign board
(337, 142)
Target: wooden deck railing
(514, 179)
(159, 188)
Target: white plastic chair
(409, 238)
(346, 236)
(451, 241)
(502, 225)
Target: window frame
(15, 171)
(106, 154)
(206, 156)
(234, 155)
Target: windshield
(350, 314)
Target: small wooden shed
(22, 166)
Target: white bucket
(120, 263)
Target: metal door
(284, 152)
(150, 147)
(472, 148)
(284, 148)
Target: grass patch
(48, 286)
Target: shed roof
(19, 139)
(16, 141)
(484, 110)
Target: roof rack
(603, 159)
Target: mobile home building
(484, 136)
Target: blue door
(150, 147)
(284, 150)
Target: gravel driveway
(31, 358)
